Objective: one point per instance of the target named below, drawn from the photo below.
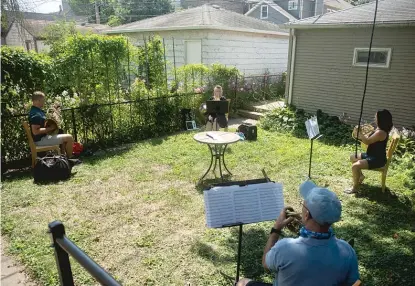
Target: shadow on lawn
(381, 223)
(253, 242)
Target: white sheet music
(247, 204)
(312, 127)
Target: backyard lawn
(138, 212)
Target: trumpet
(365, 129)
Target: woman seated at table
(376, 142)
(215, 120)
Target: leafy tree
(116, 12)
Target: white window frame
(293, 5)
(262, 6)
(357, 64)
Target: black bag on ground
(250, 131)
(52, 168)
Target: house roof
(274, 6)
(21, 17)
(337, 4)
(37, 27)
(202, 17)
(390, 12)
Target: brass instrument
(52, 123)
(295, 225)
(365, 129)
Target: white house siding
(251, 53)
(324, 77)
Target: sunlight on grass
(138, 212)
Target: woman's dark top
(220, 117)
(376, 153)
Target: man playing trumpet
(376, 142)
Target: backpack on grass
(52, 168)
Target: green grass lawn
(138, 212)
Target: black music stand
(241, 184)
(217, 106)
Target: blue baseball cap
(323, 204)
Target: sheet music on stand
(233, 205)
(312, 127)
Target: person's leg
(353, 159)
(357, 167)
(67, 142)
(208, 126)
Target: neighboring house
(208, 34)
(29, 33)
(25, 29)
(237, 6)
(328, 56)
(271, 12)
(283, 11)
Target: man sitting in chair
(215, 120)
(37, 118)
(317, 257)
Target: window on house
(264, 11)
(293, 5)
(379, 57)
(193, 50)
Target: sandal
(350, 191)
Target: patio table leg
(211, 161)
(223, 159)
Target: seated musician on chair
(375, 157)
(40, 133)
(317, 257)
(216, 119)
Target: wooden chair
(36, 149)
(389, 153)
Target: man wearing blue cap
(317, 257)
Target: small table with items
(217, 141)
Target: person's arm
(379, 135)
(280, 223)
(37, 130)
(353, 273)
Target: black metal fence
(63, 248)
(105, 125)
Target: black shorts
(256, 283)
(374, 162)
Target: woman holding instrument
(215, 119)
(375, 157)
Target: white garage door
(194, 52)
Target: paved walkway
(12, 272)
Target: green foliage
(94, 67)
(290, 119)
(22, 74)
(131, 11)
(152, 64)
(56, 33)
(194, 76)
(115, 12)
(114, 21)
